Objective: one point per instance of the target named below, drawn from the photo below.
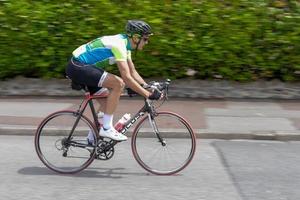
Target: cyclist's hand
(156, 95)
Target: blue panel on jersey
(95, 55)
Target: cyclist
(87, 67)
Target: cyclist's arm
(134, 73)
(129, 80)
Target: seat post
(91, 104)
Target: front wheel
(164, 144)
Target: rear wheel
(58, 151)
(165, 144)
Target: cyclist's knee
(119, 85)
(114, 82)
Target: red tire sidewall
(135, 132)
(41, 125)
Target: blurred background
(236, 65)
(232, 40)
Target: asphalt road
(221, 169)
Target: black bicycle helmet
(138, 27)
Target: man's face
(144, 41)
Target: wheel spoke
(164, 159)
(58, 154)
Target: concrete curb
(185, 88)
(200, 134)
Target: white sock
(107, 121)
(91, 136)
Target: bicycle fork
(155, 129)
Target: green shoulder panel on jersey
(96, 43)
(119, 54)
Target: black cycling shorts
(88, 75)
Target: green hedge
(237, 40)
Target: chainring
(105, 150)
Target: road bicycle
(162, 142)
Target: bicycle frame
(150, 123)
(88, 100)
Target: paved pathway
(222, 119)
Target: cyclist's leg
(96, 77)
(116, 86)
(101, 101)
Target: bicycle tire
(53, 126)
(180, 133)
